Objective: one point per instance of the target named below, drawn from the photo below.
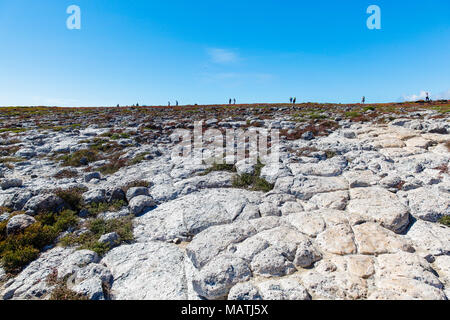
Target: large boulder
(43, 203)
(18, 223)
(140, 204)
(11, 183)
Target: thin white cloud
(222, 56)
(443, 95)
(414, 97)
(423, 94)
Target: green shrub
(253, 181)
(17, 250)
(14, 260)
(98, 227)
(219, 167)
(72, 197)
(75, 159)
(97, 208)
(352, 114)
(445, 220)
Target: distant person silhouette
(291, 99)
(428, 98)
(295, 100)
(363, 100)
(234, 101)
(176, 102)
(169, 103)
(229, 102)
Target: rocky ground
(94, 206)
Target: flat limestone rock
(371, 238)
(429, 203)
(406, 276)
(193, 213)
(380, 205)
(430, 239)
(338, 239)
(147, 271)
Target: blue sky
(208, 51)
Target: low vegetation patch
(96, 208)
(95, 228)
(253, 181)
(445, 221)
(66, 173)
(19, 249)
(79, 158)
(219, 167)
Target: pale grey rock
(306, 255)
(248, 248)
(337, 239)
(30, 283)
(363, 178)
(244, 291)
(380, 205)
(136, 191)
(442, 267)
(110, 215)
(140, 204)
(406, 276)
(2, 274)
(305, 188)
(283, 289)
(371, 238)
(26, 153)
(216, 279)
(209, 243)
(11, 183)
(330, 200)
(18, 223)
(242, 167)
(291, 207)
(429, 239)
(188, 215)
(91, 176)
(91, 280)
(90, 288)
(327, 168)
(249, 212)
(390, 181)
(269, 209)
(76, 261)
(43, 203)
(285, 239)
(309, 223)
(429, 203)
(94, 196)
(271, 262)
(273, 171)
(5, 216)
(110, 239)
(334, 285)
(19, 200)
(147, 271)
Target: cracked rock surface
(354, 212)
